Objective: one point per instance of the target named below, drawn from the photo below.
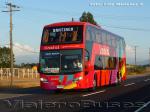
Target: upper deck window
(60, 35)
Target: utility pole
(149, 56)
(135, 47)
(72, 19)
(11, 8)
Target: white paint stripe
(146, 80)
(94, 93)
(129, 84)
(145, 105)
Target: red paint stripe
(103, 79)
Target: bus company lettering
(51, 47)
(71, 46)
(62, 29)
(104, 51)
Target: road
(132, 96)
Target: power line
(75, 12)
(124, 17)
(107, 16)
(100, 16)
(11, 9)
(127, 28)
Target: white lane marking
(129, 84)
(146, 80)
(94, 93)
(145, 105)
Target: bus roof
(70, 23)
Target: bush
(140, 69)
(136, 70)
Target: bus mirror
(87, 65)
(86, 58)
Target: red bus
(80, 55)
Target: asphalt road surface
(131, 96)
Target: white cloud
(22, 50)
(25, 53)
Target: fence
(18, 73)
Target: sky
(127, 18)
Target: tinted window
(104, 62)
(98, 36)
(104, 40)
(109, 39)
(64, 61)
(88, 35)
(49, 62)
(99, 64)
(93, 34)
(114, 42)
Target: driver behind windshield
(77, 64)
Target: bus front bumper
(48, 86)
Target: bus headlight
(78, 78)
(44, 80)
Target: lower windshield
(64, 61)
(49, 62)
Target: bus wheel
(119, 79)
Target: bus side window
(98, 36)
(93, 35)
(88, 35)
(112, 62)
(107, 66)
(104, 37)
(101, 62)
(124, 45)
(114, 42)
(98, 65)
(109, 40)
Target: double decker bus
(80, 55)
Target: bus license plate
(60, 86)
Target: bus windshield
(65, 61)
(60, 35)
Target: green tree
(28, 65)
(5, 57)
(88, 17)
